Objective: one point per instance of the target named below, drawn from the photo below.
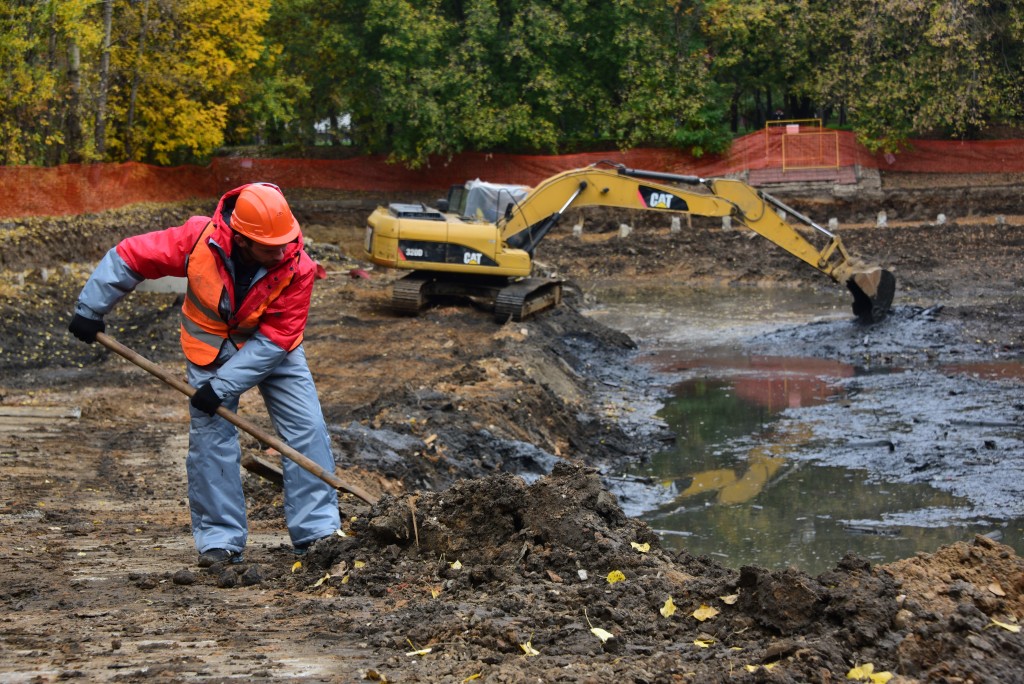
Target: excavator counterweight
(480, 242)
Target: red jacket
(164, 253)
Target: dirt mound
(563, 523)
(958, 615)
(493, 567)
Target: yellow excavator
(479, 242)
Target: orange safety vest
(203, 329)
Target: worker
(249, 283)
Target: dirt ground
(462, 571)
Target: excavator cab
(481, 200)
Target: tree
(130, 79)
(759, 54)
(104, 78)
(423, 79)
(665, 91)
(188, 63)
(41, 79)
(919, 66)
(170, 81)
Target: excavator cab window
(456, 200)
(489, 201)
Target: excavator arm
(454, 254)
(526, 224)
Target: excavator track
(409, 294)
(513, 300)
(525, 297)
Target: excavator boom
(450, 252)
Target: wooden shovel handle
(235, 419)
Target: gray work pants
(216, 501)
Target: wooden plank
(73, 412)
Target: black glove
(85, 329)
(206, 400)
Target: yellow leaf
(751, 668)
(457, 565)
(601, 634)
(528, 649)
(616, 576)
(323, 579)
(435, 592)
(1008, 627)
(358, 564)
(296, 565)
(669, 609)
(730, 599)
(642, 548)
(705, 612)
(866, 673)
(471, 678)
(703, 643)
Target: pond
(747, 478)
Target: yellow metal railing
(801, 144)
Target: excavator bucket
(872, 294)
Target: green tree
(419, 79)
(759, 55)
(917, 67)
(295, 87)
(665, 93)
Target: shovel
(235, 419)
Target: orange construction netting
(89, 188)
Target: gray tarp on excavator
(488, 201)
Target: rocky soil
(495, 552)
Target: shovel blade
(873, 292)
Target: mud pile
(492, 569)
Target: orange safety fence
(952, 156)
(89, 188)
(810, 150)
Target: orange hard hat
(262, 214)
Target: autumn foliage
(172, 81)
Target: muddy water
(771, 462)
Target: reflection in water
(730, 486)
(731, 492)
(732, 489)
